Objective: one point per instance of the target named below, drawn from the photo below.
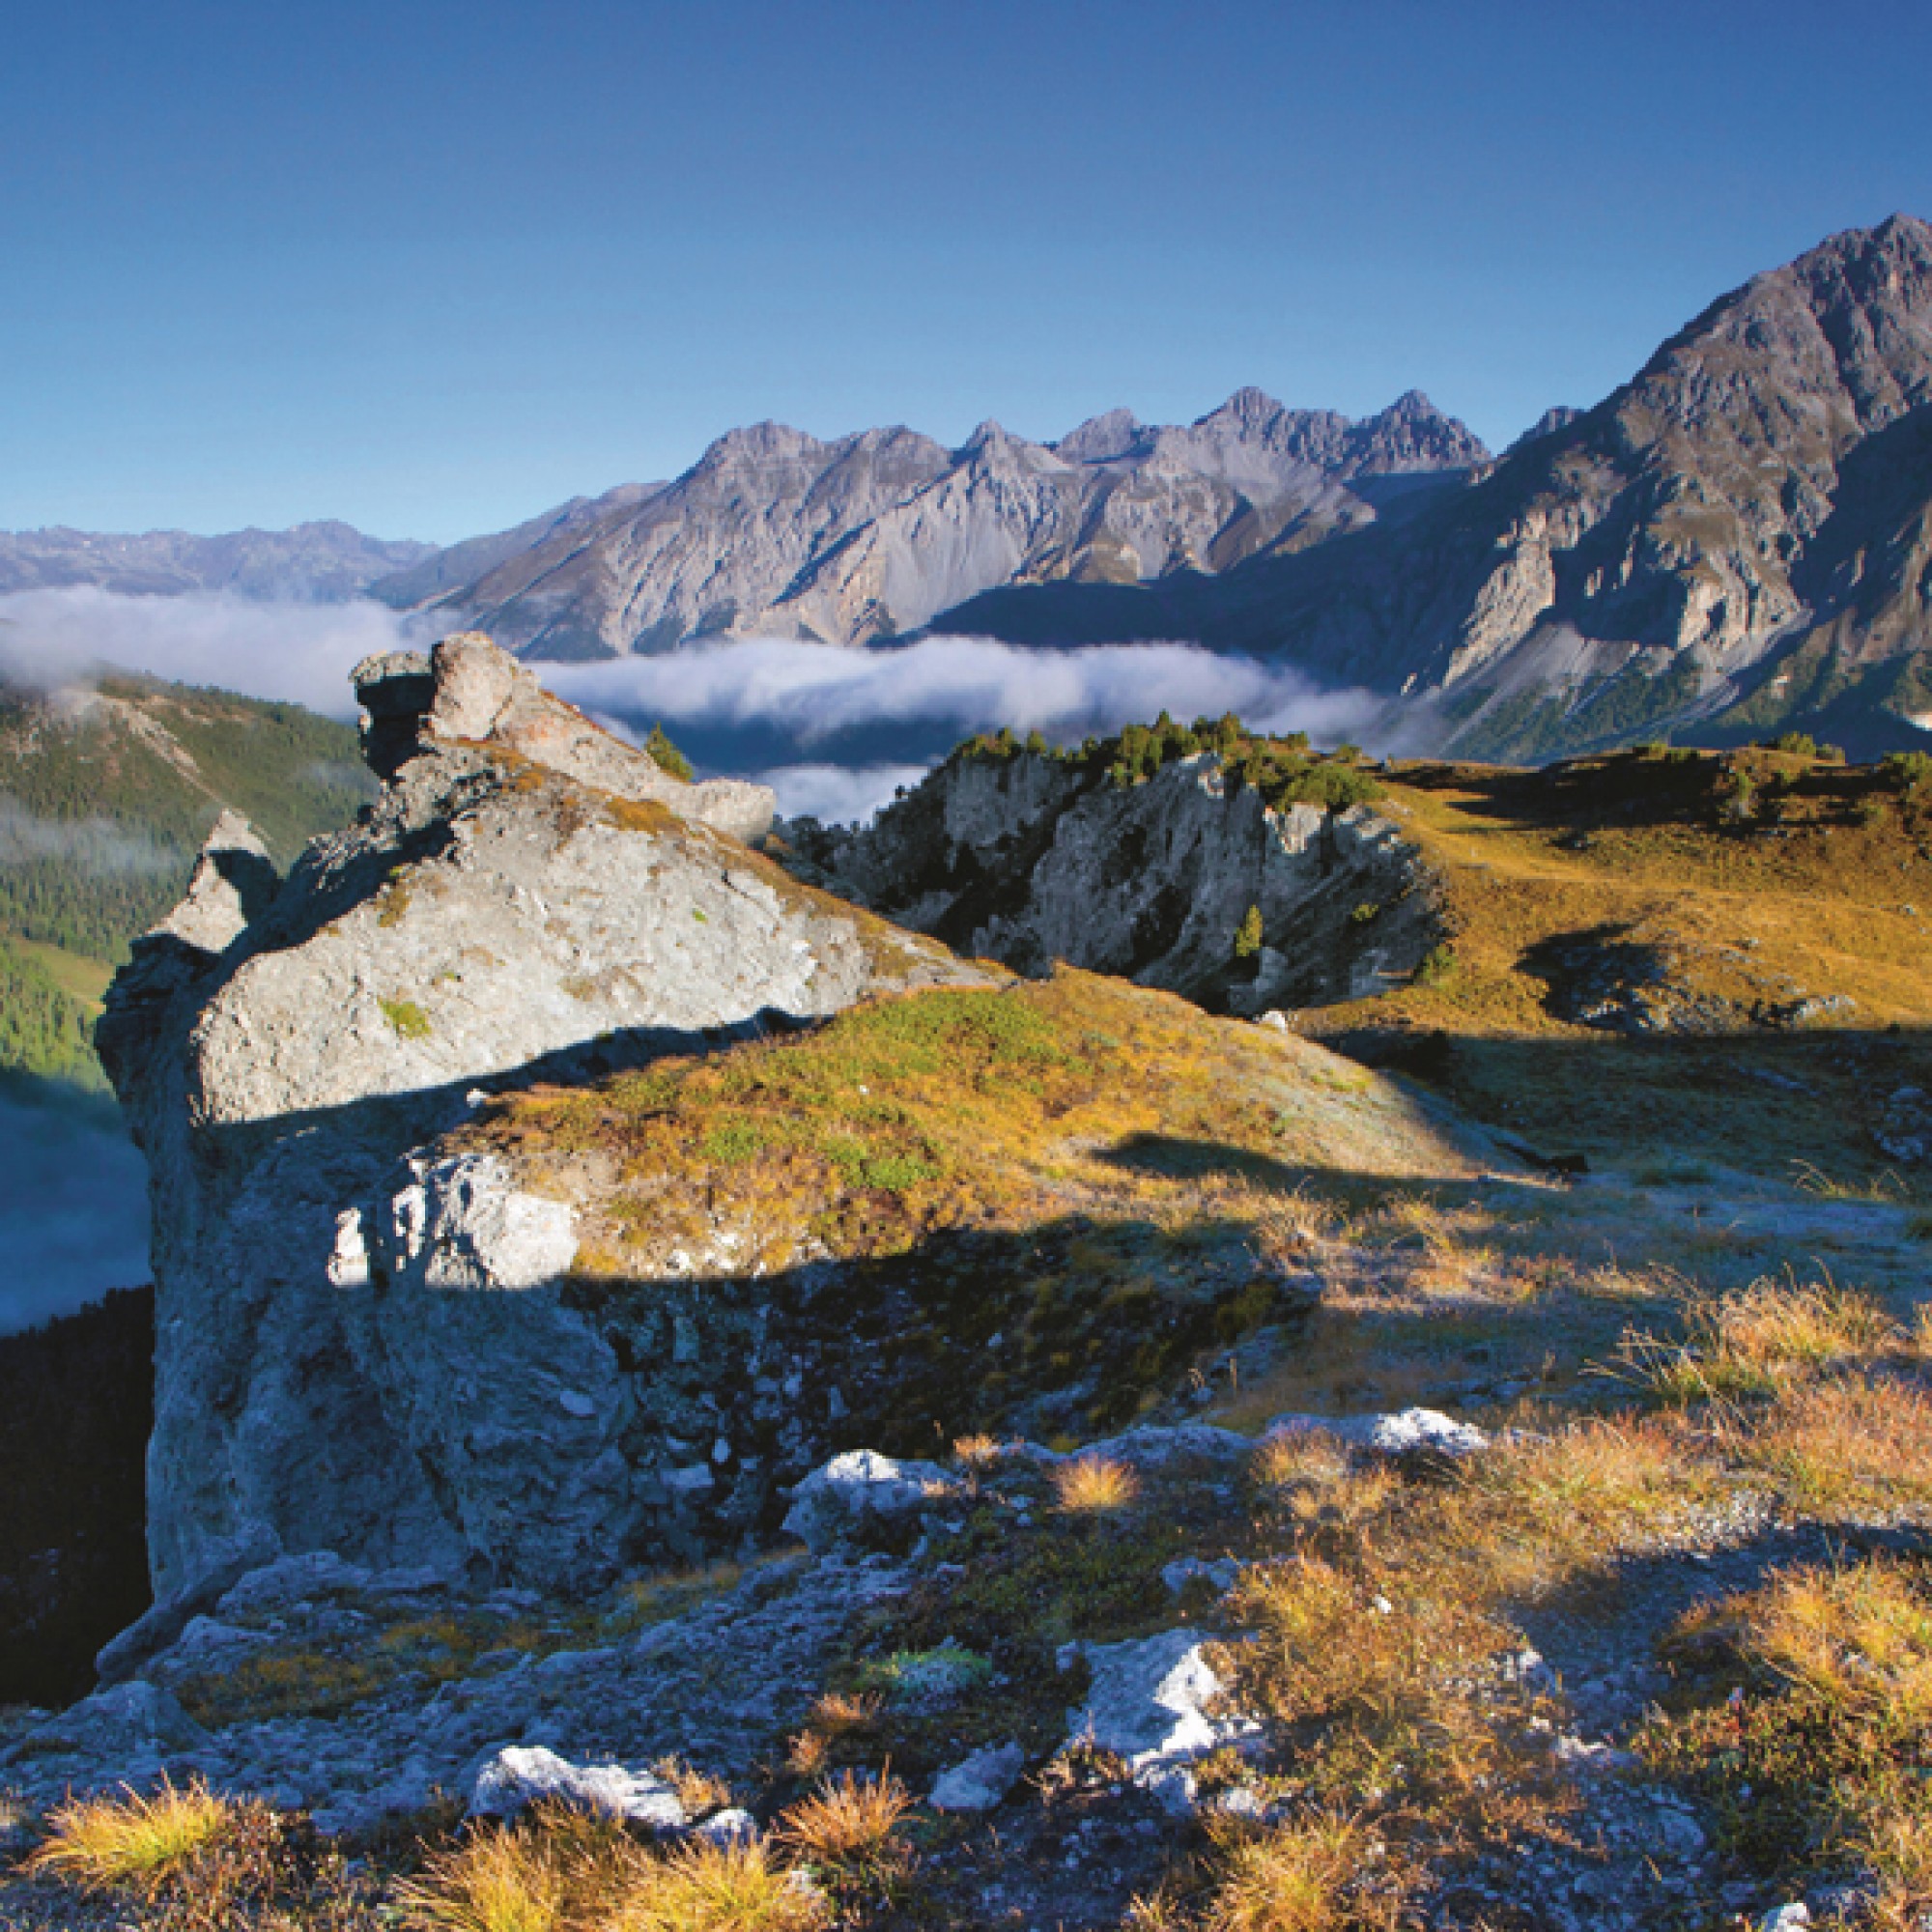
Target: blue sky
(431, 268)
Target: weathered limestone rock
(1030, 858)
(1157, 1702)
(469, 692)
(521, 1776)
(365, 1349)
(861, 1492)
(980, 1782)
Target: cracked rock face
(362, 1348)
(1031, 859)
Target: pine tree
(1248, 939)
(666, 755)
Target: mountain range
(322, 563)
(1735, 542)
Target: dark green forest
(105, 798)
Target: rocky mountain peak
(1102, 439)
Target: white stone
(1148, 1702)
(859, 1489)
(520, 1775)
(980, 1782)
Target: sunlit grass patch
(1093, 1484)
(1378, 1666)
(1323, 1873)
(135, 1840)
(1848, 1442)
(1805, 1718)
(704, 1887)
(1531, 1513)
(501, 1879)
(1759, 1340)
(849, 1820)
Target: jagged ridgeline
(106, 793)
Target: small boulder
(857, 1496)
(1407, 1434)
(520, 1775)
(980, 1782)
(733, 1826)
(1147, 1701)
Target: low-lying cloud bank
(299, 652)
(940, 688)
(835, 730)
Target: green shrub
(1437, 968)
(666, 755)
(1906, 770)
(1248, 935)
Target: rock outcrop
(362, 1348)
(1032, 858)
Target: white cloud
(300, 652)
(815, 692)
(837, 794)
(96, 847)
(784, 694)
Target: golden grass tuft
(1093, 1485)
(976, 1452)
(704, 1887)
(1307, 1876)
(503, 1878)
(1762, 1339)
(1859, 1639)
(1844, 1443)
(697, 1791)
(134, 1839)
(1293, 1457)
(847, 1821)
(1532, 1514)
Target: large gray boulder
(370, 1346)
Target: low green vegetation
(1283, 769)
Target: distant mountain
(313, 563)
(869, 537)
(1737, 541)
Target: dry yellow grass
(849, 1820)
(697, 1791)
(1847, 1444)
(704, 1887)
(506, 1878)
(1317, 1874)
(136, 1839)
(1859, 1639)
(1761, 1338)
(1093, 1485)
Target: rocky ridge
(1730, 542)
(775, 533)
(1028, 858)
(320, 562)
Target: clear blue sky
(431, 268)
